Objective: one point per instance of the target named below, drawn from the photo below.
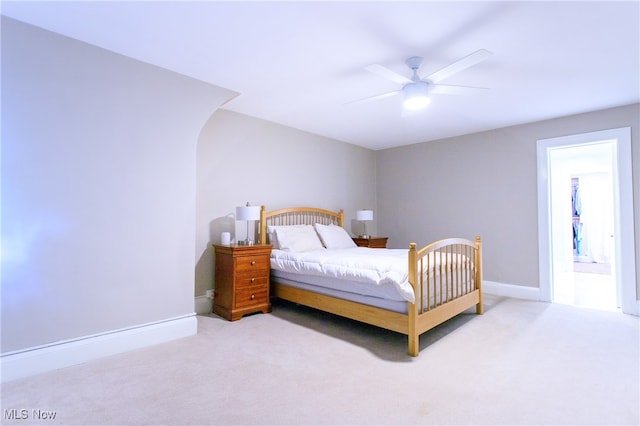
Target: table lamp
(364, 216)
(247, 213)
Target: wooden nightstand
(373, 242)
(242, 280)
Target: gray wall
(98, 188)
(484, 184)
(242, 159)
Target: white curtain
(596, 191)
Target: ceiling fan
(416, 90)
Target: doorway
(587, 258)
(582, 206)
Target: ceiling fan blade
(388, 74)
(448, 89)
(459, 65)
(374, 98)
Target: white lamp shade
(248, 213)
(364, 215)
(416, 95)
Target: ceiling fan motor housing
(414, 62)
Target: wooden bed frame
(457, 286)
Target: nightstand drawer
(252, 279)
(252, 263)
(251, 296)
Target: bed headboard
(297, 216)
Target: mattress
(372, 272)
(385, 297)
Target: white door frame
(625, 258)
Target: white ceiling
(298, 63)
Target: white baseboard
(203, 305)
(510, 290)
(28, 362)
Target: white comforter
(375, 266)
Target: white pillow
(298, 238)
(334, 236)
(273, 237)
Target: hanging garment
(577, 231)
(576, 201)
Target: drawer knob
(253, 279)
(253, 296)
(253, 262)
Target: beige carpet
(521, 363)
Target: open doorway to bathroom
(585, 220)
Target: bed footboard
(447, 279)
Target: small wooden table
(372, 242)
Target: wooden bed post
(263, 225)
(479, 306)
(412, 332)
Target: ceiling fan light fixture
(416, 95)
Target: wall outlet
(210, 294)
